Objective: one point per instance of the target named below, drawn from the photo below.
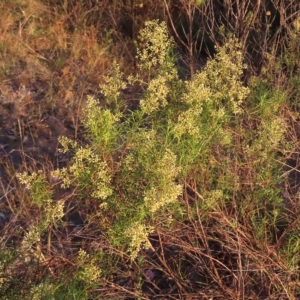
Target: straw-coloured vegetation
(149, 151)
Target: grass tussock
(121, 177)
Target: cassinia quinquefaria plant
(136, 161)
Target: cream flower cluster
(86, 166)
(138, 234)
(156, 44)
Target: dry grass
(54, 54)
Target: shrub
(135, 163)
(193, 150)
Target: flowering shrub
(135, 163)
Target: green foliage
(291, 250)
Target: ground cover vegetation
(149, 150)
